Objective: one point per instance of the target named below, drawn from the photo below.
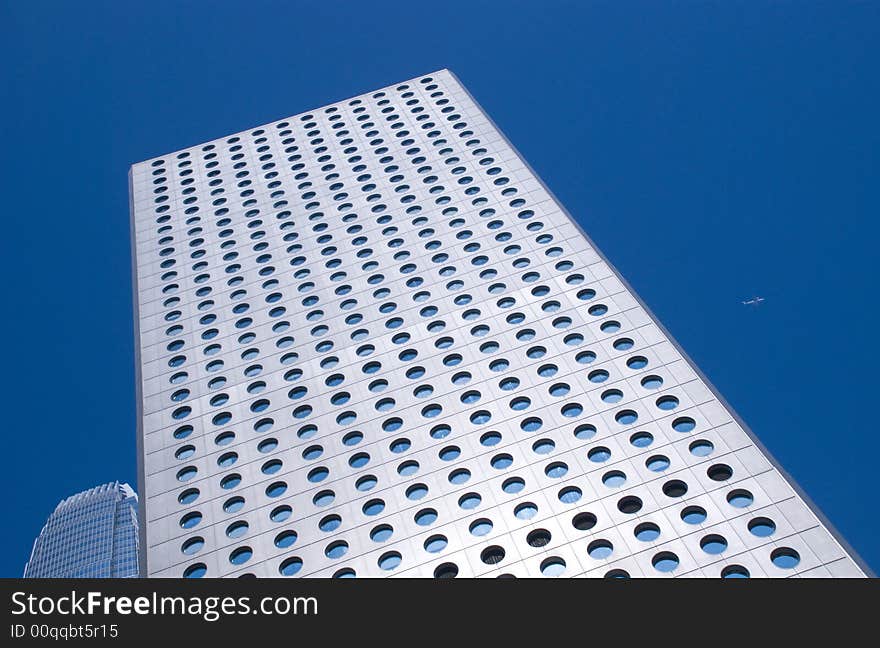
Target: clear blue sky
(714, 151)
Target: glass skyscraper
(371, 343)
(93, 534)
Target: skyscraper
(93, 534)
(370, 343)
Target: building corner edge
(139, 406)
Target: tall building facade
(93, 534)
(371, 343)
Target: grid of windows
(371, 343)
(93, 534)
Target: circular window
(657, 463)
(185, 474)
(785, 558)
(584, 357)
(652, 382)
(508, 384)
(237, 529)
(323, 498)
(290, 566)
(617, 574)
(285, 539)
(446, 570)
(521, 403)
(492, 555)
(600, 549)
(614, 479)
(366, 482)
(431, 411)
(635, 362)
(460, 476)
(553, 566)
(312, 452)
(572, 409)
(667, 403)
(513, 485)
(330, 523)
(241, 555)
(390, 560)
(426, 517)
(525, 511)
(316, 475)
(273, 466)
(612, 396)
(570, 494)
(713, 544)
(188, 496)
(374, 507)
(694, 515)
(626, 417)
(538, 538)
(647, 532)
(701, 448)
(629, 504)
(416, 491)
(336, 549)
(675, 488)
(683, 424)
(408, 468)
(762, 527)
(275, 489)
(720, 472)
(280, 513)
(193, 545)
(735, 571)
(480, 527)
(559, 389)
(641, 439)
(381, 533)
(436, 543)
(195, 571)
(583, 521)
(469, 501)
(665, 561)
(599, 454)
(740, 498)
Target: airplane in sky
(754, 301)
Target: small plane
(754, 301)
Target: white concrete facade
(371, 343)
